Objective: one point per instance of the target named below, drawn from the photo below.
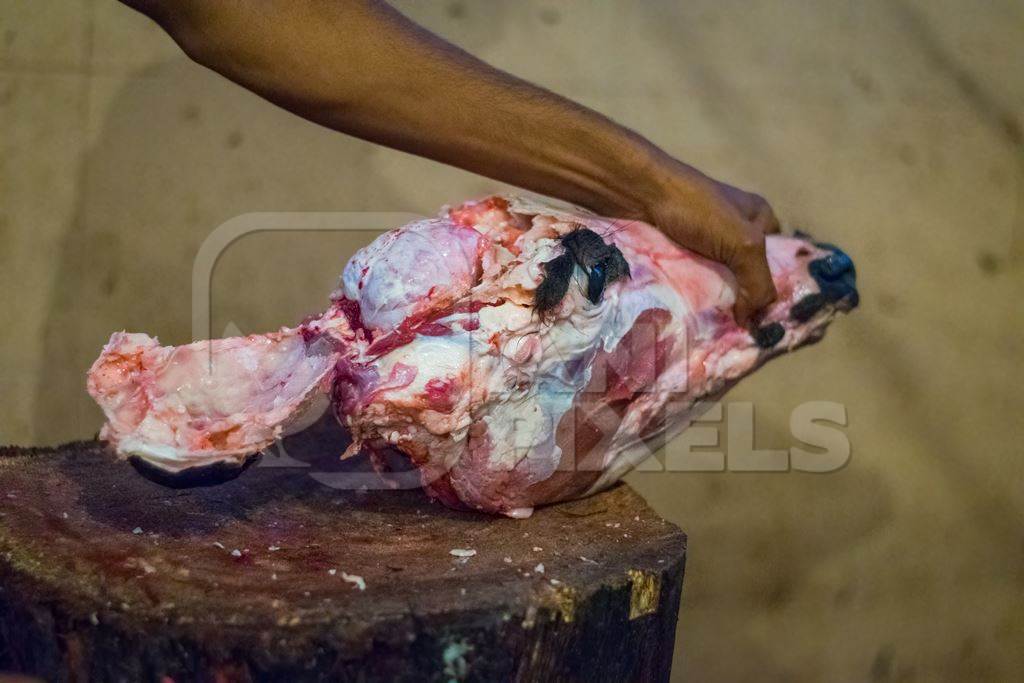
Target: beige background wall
(895, 128)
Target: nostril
(831, 267)
(768, 336)
(836, 277)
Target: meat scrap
(517, 353)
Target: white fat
(433, 358)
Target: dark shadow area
(273, 484)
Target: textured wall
(891, 127)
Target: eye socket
(602, 263)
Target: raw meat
(433, 346)
(199, 413)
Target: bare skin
(362, 68)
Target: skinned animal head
(518, 353)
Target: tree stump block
(275, 576)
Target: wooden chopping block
(277, 576)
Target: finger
(751, 205)
(755, 287)
(743, 311)
(750, 304)
(758, 211)
(766, 221)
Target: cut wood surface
(278, 575)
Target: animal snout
(836, 278)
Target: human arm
(362, 68)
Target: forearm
(361, 68)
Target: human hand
(721, 222)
